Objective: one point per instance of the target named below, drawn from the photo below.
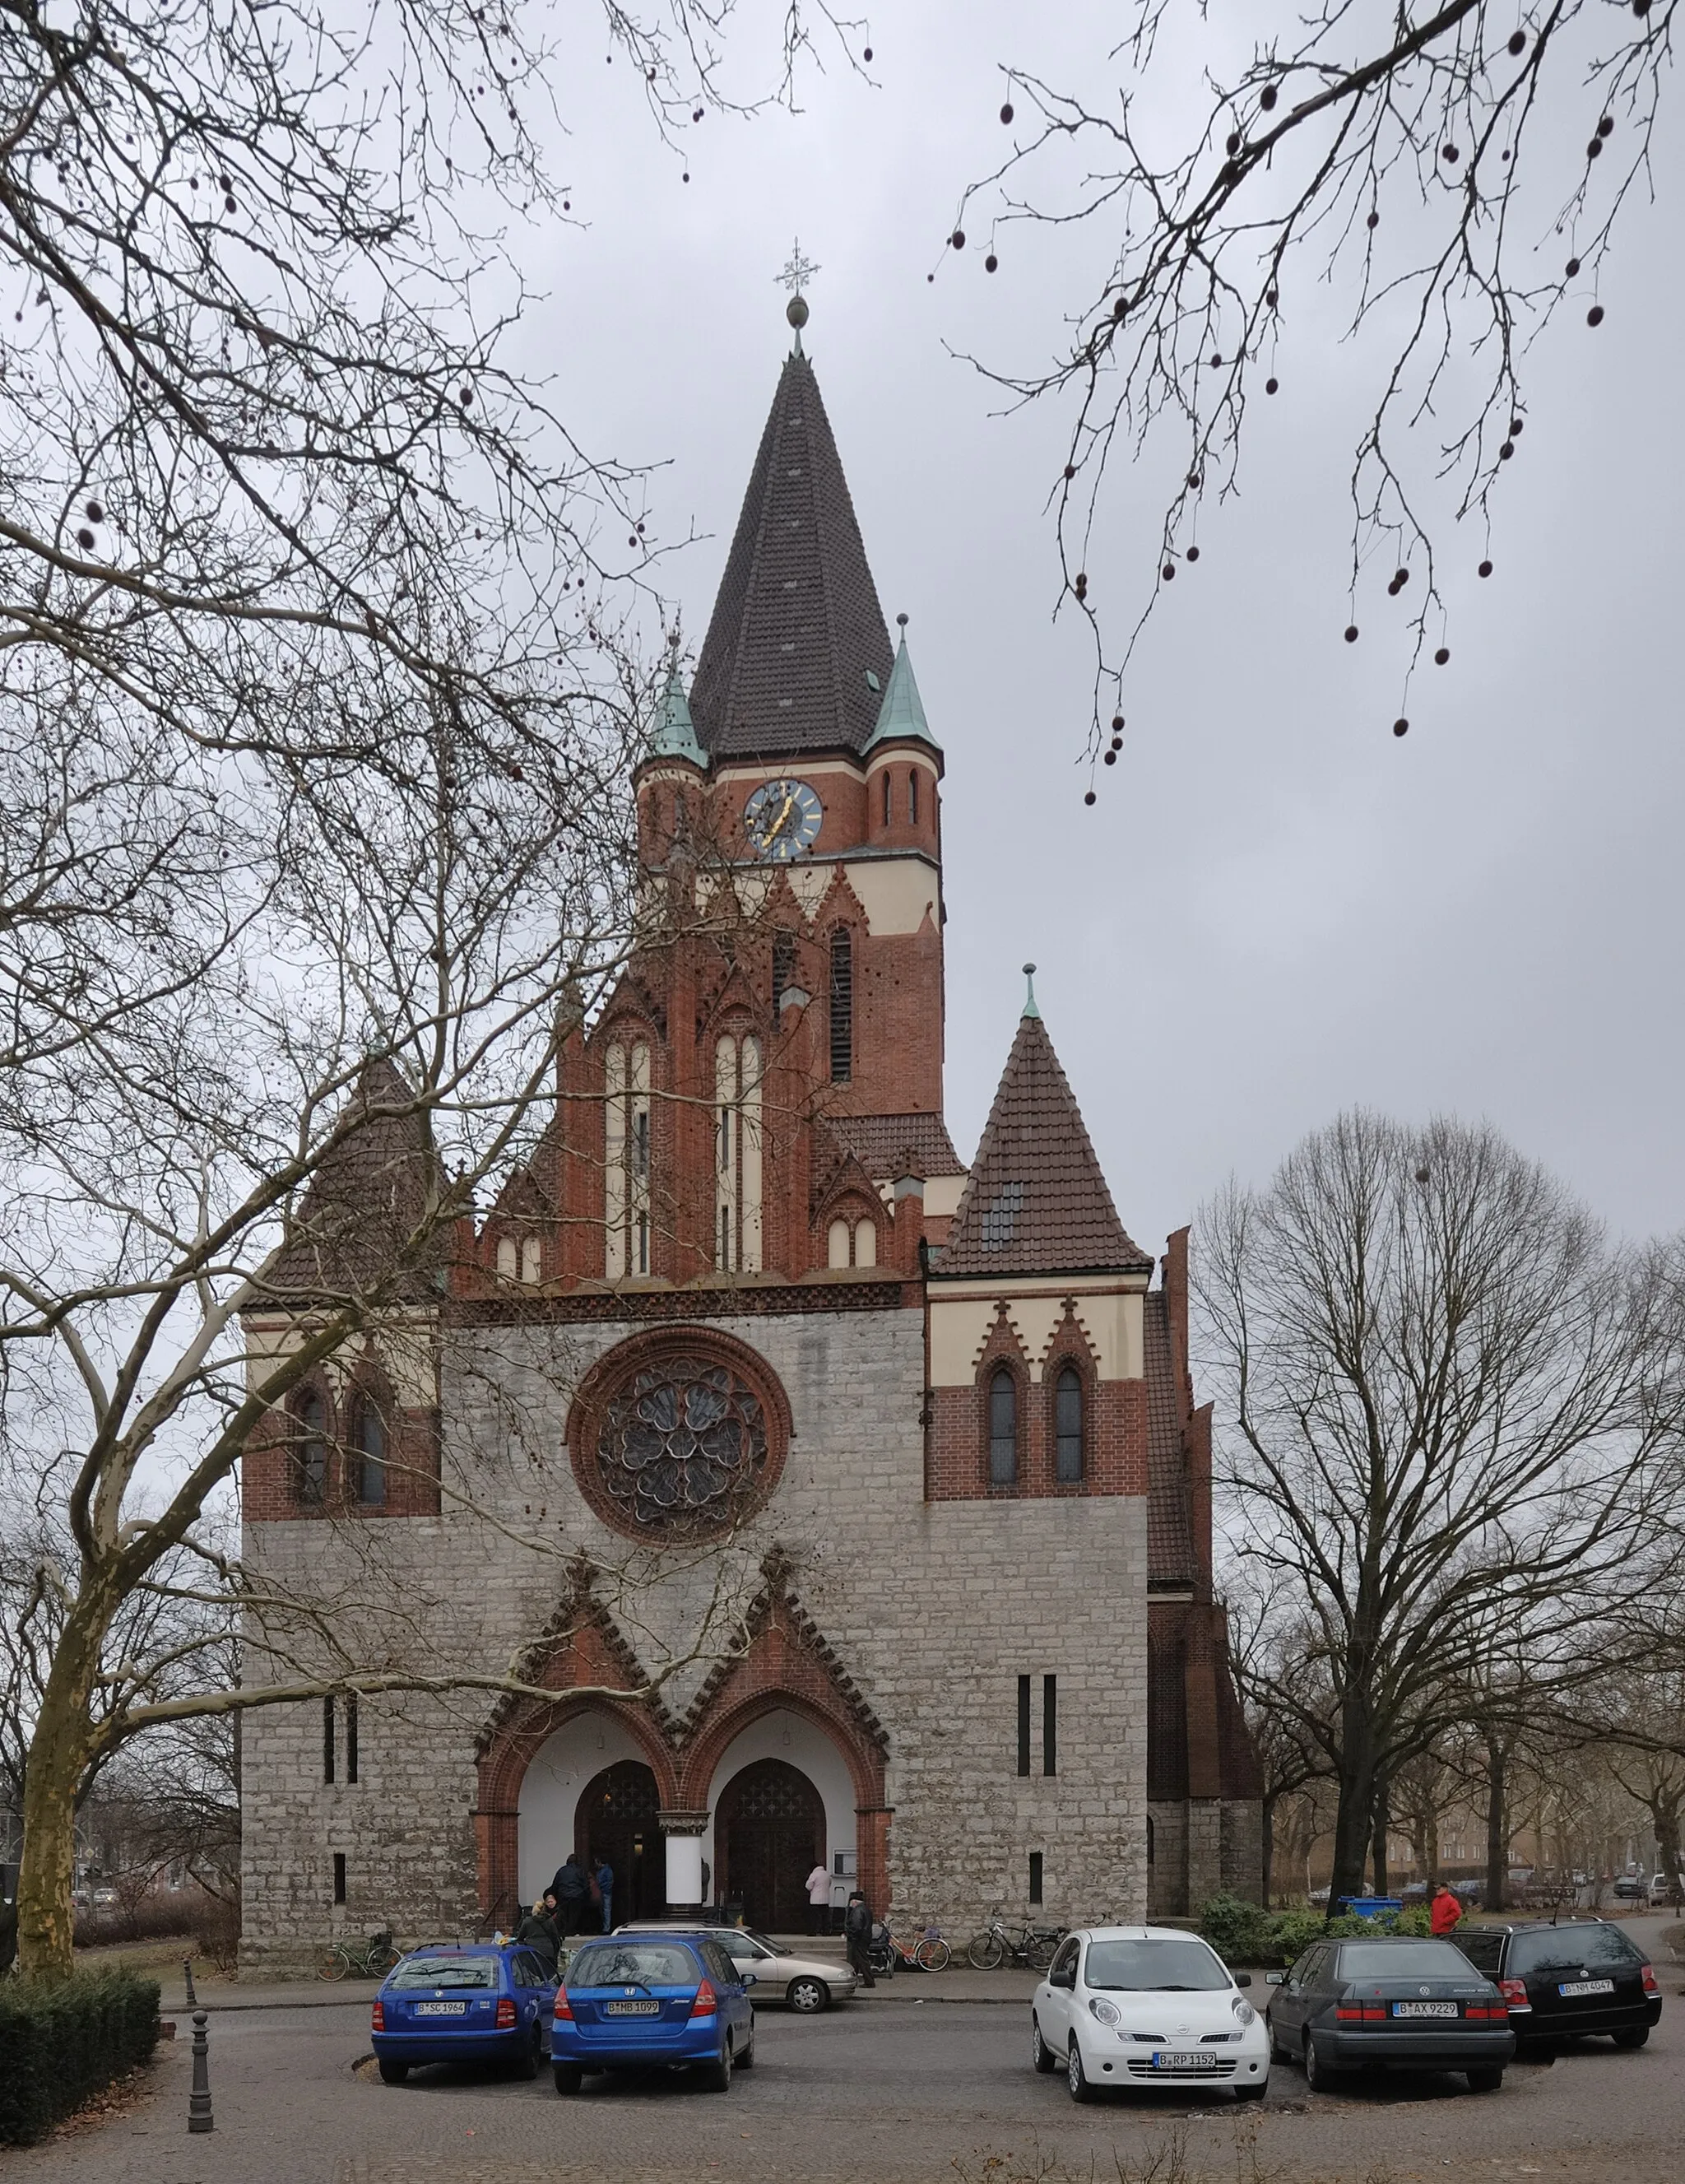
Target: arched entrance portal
(769, 1830)
(615, 1819)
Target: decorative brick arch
(584, 1659)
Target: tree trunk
(1430, 1847)
(1496, 1823)
(59, 1754)
(1665, 1818)
(1382, 1821)
(1354, 1818)
(1267, 1841)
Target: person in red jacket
(1446, 1913)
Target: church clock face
(781, 819)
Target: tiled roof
(797, 657)
(1037, 1202)
(1170, 1526)
(878, 1142)
(361, 1204)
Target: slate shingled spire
(797, 657)
(1037, 1202)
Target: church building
(888, 1464)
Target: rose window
(682, 1446)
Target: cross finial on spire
(1029, 1008)
(794, 277)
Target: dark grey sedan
(1391, 2003)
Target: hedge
(64, 2041)
(1246, 1933)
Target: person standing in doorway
(572, 1889)
(857, 1928)
(1445, 1914)
(605, 1888)
(818, 1887)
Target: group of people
(580, 1900)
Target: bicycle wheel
(986, 1951)
(1038, 1953)
(932, 1956)
(380, 1961)
(332, 1965)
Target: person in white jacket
(819, 1899)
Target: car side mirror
(1243, 1978)
(749, 1979)
(1275, 1979)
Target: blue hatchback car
(459, 2003)
(637, 2002)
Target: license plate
(1177, 2058)
(441, 2009)
(631, 2009)
(1424, 2010)
(1587, 1987)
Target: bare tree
(1453, 175)
(1452, 1431)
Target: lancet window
(627, 1150)
(737, 1154)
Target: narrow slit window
(328, 1753)
(1003, 1430)
(1035, 1876)
(310, 1451)
(1023, 1724)
(842, 1005)
(351, 1753)
(1068, 1426)
(339, 1876)
(913, 795)
(888, 791)
(370, 1444)
(1050, 1724)
(783, 967)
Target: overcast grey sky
(1275, 908)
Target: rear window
(1140, 1967)
(446, 1971)
(1566, 1948)
(1383, 1960)
(633, 1963)
(1485, 1952)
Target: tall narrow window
(913, 795)
(1050, 1724)
(509, 1257)
(837, 1243)
(339, 1876)
(1003, 1429)
(1035, 1876)
(532, 1259)
(737, 1154)
(329, 1754)
(369, 1443)
(351, 1754)
(1023, 1724)
(1068, 1426)
(310, 1451)
(783, 967)
(842, 1005)
(626, 1161)
(888, 791)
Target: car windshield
(1567, 1948)
(447, 1971)
(1145, 1967)
(633, 1963)
(1381, 1960)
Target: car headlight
(1244, 2011)
(1105, 2011)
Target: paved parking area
(891, 2088)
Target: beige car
(807, 1984)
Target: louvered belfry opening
(842, 1005)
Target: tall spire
(796, 656)
(901, 716)
(675, 733)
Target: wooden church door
(769, 1833)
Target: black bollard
(199, 2100)
(187, 1974)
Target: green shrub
(1240, 1932)
(64, 2041)
(1246, 1933)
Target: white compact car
(807, 1984)
(1146, 2005)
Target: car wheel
(1075, 2076)
(567, 2076)
(393, 2074)
(1277, 2053)
(717, 2076)
(1252, 2092)
(1634, 2036)
(745, 2061)
(1041, 2056)
(808, 1996)
(527, 2067)
(1318, 2077)
(1485, 2081)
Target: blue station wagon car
(459, 2003)
(637, 2002)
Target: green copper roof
(675, 735)
(902, 712)
(1029, 1008)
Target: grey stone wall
(935, 1609)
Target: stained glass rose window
(682, 1446)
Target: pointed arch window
(310, 1449)
(369, 1454)
(1003, 1428)
(626, 1161)
(913, 795)
(888, 792)
(1068, 1426)
(737, 1154)
(842, 1005)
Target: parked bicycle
(925, 1953)
(1026, 1944)
(370, 1959)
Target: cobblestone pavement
(893, 2088)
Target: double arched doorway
(769, 1833)
(616, 1818)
